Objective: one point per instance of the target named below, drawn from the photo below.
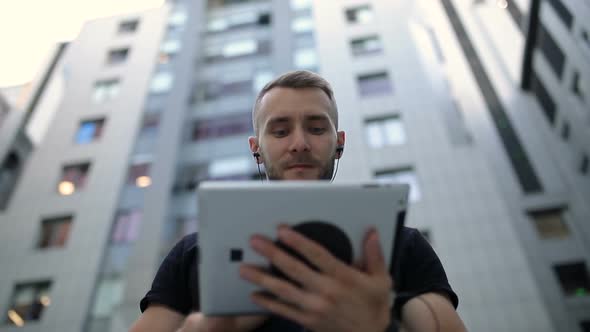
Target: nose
(299, 142)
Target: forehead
(293, 104)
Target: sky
(30, 28)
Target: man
(295, 121)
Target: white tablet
(337, 215)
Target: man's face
(297, 139)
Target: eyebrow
(284, 119)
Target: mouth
(300, 166)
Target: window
(578, 85)
(573, 278)
(73, 178)
(168, 50)
(550, 223)
(565, 131)
(230, 168)
(551, 51)
(128, 26)
(238, 20)
(222, 126)
(237, 49)
(302, 24)
(117, 56)
(366, 45)
(161, 82)
(139, 175)
(54, 232)
(374, 84)
(297, 5)
(584, 165)
(385, 132)
(545, 100)
(9, 173)
(126, 227)
(261, 78)
(305, 58)
(149, 126)
(106, 90)
(177, 19)
(89, 131)
(406, 175)
(361, 14)
(108, 296)
(27, 303)
(214, 90)
(562, 12)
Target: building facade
(429, 93)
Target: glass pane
(108, 296)
(239, 48)
(305, 58)
(403, 176)
(374, 135)
(302, 24)
(394, 132)
(161, 82)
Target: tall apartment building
(530, 61)
(159, 101)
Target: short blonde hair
(298, 79)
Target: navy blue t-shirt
(418, 271)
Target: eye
(317, 130)
(279, 133)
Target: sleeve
(170, 286)
(420, 271)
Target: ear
(340, 140)
(255, 148)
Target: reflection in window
(361, 14)
(117, 56)
(89, 131)
(261, 78)
(55, 232)
(305, 58)
(128, 26)
(73, 178)
(149, 126)
(366, 45)
(222, 126)
(139, 175)
(126, 227)
(108, 296)
(105, 90)
(302, 24)
(407, 176)
(374, 84)
(27, 303)
(550, 223)
(297, 5)
(161, 82)
(385, 132)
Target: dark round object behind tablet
(328, 235)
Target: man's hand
(337, 298)
(198, 322)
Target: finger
(317, 255)
(284, 310)
(283, 289)
(289, 265)
(375, 261)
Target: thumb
(375, 262)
